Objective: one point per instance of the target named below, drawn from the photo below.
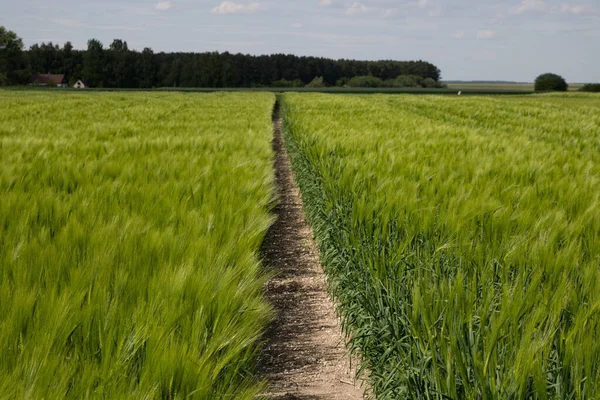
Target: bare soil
(304, 356)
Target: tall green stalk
(461, 236)
(129, 231)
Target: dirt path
(304, 357)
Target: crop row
(461, 237)
(129, 231)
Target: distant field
(129, 230)
(526, 87)
(461, 236)
(333, 90)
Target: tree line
(117, 66)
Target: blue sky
(483, 40)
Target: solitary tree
(550, 82)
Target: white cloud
(229, 7)
(458, 35)
(570, 9)
(359, 8)
(325, 3)
(163, 5)
(297, 25)
(531, 5)
(541, 6)
(486, 34)
(424, 7)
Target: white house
(80, 85)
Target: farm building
(48, 80)
(80, 85)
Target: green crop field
(461, 236)
(525, 87)
(129, 230)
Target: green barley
(129, 232)
(462, 237)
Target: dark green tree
(119, 65)
(12, 62)
(147, 68)
(550, 82)
(72, 62)
(590, 87)
(94, 63)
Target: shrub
(429, 83)
(342, 82)
(590, 87)
(284, 83)
(408, 81)
(550, 82)
(317, 82)
(365, 82)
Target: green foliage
(550, 82)
(120, 67)
(407, 81)
(317, 82)
(129, 231)
(590, 87)
(410, 81)
(365, 81)
(462, 239)
(94, 63)
(284, 83)
(431, 84)
(11, 58)
(342, 82)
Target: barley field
(461, 237)
(130, 225)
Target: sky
(512, 40)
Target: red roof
(55, 79)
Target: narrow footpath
(304, 356)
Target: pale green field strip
(129, 231)
(462, 237)
(527, 87)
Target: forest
(118, 66)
